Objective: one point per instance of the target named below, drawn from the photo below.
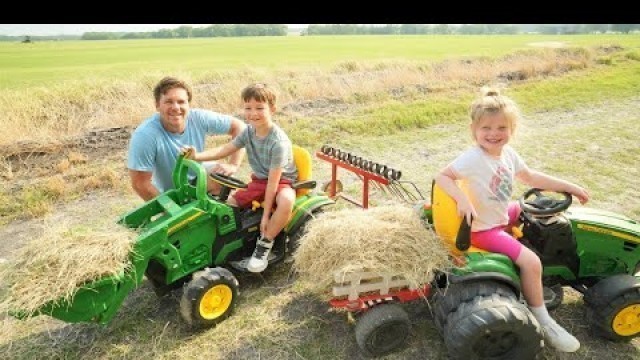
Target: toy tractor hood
(605, 222)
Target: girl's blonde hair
(491, 102)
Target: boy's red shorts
(255, 191)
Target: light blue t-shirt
(154, 149)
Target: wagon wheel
(382, 330)
(326, 187)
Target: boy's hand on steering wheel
(188, 152)
(225, 169)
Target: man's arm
(141, 184)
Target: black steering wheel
(226, 183)
(544, 204)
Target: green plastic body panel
(303, 208)
(608, 243)
(488, 262)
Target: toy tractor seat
(303, 185)
(448, 224)
(302, 159)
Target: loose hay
(53, 266)
(389, 239)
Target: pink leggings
(497, 239)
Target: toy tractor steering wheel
(227, 183)
(542, 204)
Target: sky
(79, 29)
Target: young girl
(488, 170)
(270, 155)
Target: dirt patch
(25, 159)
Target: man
(156, 143)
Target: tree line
(238, 30)
(467, 29)
(182, 32)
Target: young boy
(270, 156)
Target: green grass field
(49, 63)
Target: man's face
(173, 108)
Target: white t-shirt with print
(489, 183)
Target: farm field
(400, 101)
(55, 62)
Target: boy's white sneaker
(556, 336)
(260, 258)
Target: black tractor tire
(447, 300)
(493, 327)
(209, 297)
(294, 239)
(619, 320)
(382, 330)
(553, 296)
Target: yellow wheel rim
(215, 302)
(627, 321)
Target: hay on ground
(52, 266)
(389, 239)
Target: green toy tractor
(478, 307)
(188, 239)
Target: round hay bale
(389, 239)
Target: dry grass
(47, 114)
(55, 264)
(388, 239)
(277, 318)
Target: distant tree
(99, 36)
(624, 28)
(442, 29)
(27, 39)
(596, 28)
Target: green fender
(607, 289)
(303, 209)
(488, 266)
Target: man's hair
(259, 92)
(168, 83)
